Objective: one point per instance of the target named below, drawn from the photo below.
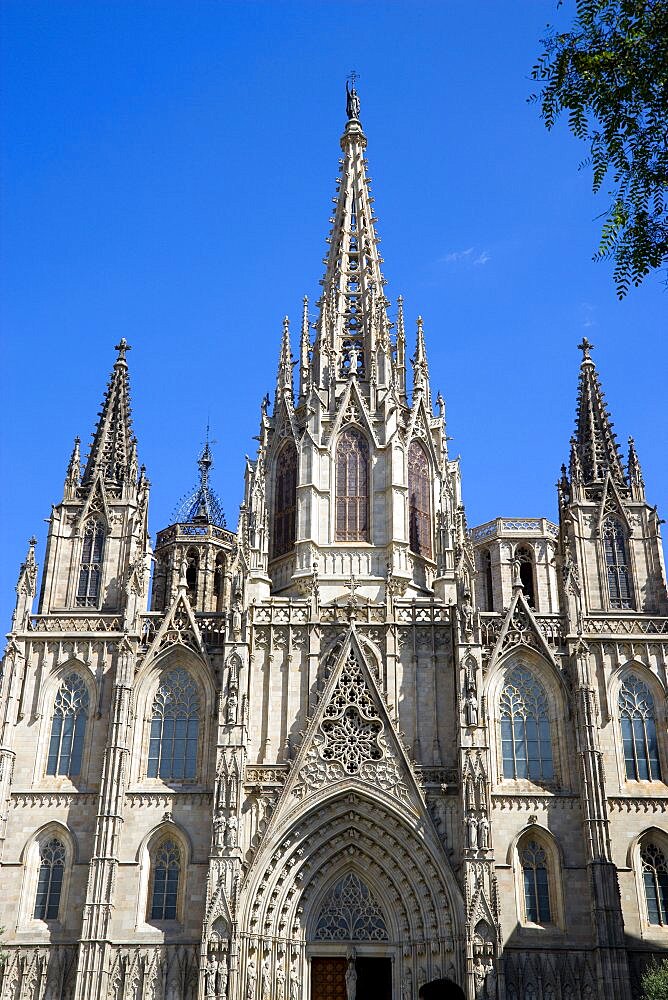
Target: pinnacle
(595, 443)
(112, 453)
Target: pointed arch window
(525, 556)
(90, 569)
(526, 738)
(536, 883)
(486, 559)
(615, 551)
(192, 573)
(638, 722)
(50, 880)
(655, 880)
(166, 877)
(419, 502)
(68, 727)
(285, 500)
(352, 487)
(174, 736)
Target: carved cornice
(52, 799)
(506, 801)
(262, 775)
(626, 626)
(639, 803)
(166, 799)
(76, 624)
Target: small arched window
(68, 727)
(352, 487)
(525, 556)
(219, 579)
(174, 739)
(285, 500)
(526, 739)
(486, 559)
(166, 872)
(50, 880)
(655, 880)
(419, 504)
(192, 572)
(637, 719)
(536, 882)
(617, 565)
(90, 570)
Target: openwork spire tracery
(113, 449)
(595, 444)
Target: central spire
(352, 322)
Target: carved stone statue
(221, 978)
(483, 831)
(351, 980)
(232, 704)
(183, 573)
(211, 977)
(295, 985)
(467, 614)
(280, 982)
(219, 826)
(236, 616)
(479, 976)
(352, 103)
(440, 814)
(251, 980)
(231, 831)
(266, 980)
(407, 986)
(471, 708)
(472, 831)
(490, 979)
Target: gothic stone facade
(353, 729)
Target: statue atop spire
(352, 98)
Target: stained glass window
(641, 749)
(285, 500)
(166, 872)
(174, 728)
(536, 883)
(419, 504)
(90, 571)
(50, 880)
(655, 877)
(526, 738)
(352, 487)
(616, 561)
(68, 727)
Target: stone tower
(353, 747)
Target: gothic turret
(609, 537)
(194, 551)
(97, 546)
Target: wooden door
(328, 979)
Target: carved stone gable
(520, 628)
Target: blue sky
(167, 176)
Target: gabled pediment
(178, 628)
(95, 504)
(352, 409)
(351, 739)
(520, 629)
(611, 504)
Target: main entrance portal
(374, 979)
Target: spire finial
(123, 347)
(586, 346)
(352, 99)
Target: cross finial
(586, 346)
(352, 587)
(123, 347)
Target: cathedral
(354, 746)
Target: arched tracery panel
(285, 500)
(351, 913)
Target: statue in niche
(440, 818)
(221, 977)
(219, 827)
(516, 567)
(295, 985)
(471, 707)
(490, 979)
(483, 832)
(407, 986)
(479, 977)
(232, 705)
(472, 831)
(280, 982)
(236, 616)
(183, 573)
(251, 980)
(467, 614)
(351, 980)
(266, 979)
(211, 977)
(231, 831)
